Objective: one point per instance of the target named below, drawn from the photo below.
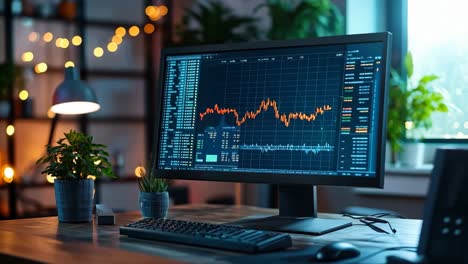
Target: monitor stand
(297, 214)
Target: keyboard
(220, 236)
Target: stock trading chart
(288, 111)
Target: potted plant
(153, 198)
(213, 23)
(410, 109)
(303, 19)
(75, 162)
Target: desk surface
(46, 240)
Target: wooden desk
(46, 240)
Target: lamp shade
(73, 96)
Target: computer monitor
(296, 113)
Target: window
(437, 38)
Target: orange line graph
(263, 107)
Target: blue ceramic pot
(154, 204)
(74, 200)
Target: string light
(69, 64)
(50, 178)
(149, 28)
(33, 36)
(48, 37)
(40, 67)
(151, 10)
(112, 46)
(117, 40)
(140, 171)
(65, 43)
(58, 42)
(50, 114)
(409, 125)
(8, 174)
(23, 95)
(134, 31)
(163, 10)
(10, 130)
(98, 52)
(76, 40)
(27, 56)
(120, 31)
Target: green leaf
(409, 64)
(74, 158)
(427, 79)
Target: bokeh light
(50, 114)
(112, 46)
(76, 40)
(58, 42)
(163, 9)
(10, 130)
(50, 178)
(48, 37)
(134, 31)
(117, 40)
(140, 171)
(151, 10)
(23, 95)
(149, 28)
(8, 174)
(65, 43)
(98, 52)
(40, 67)
(120, 31)
(69, 64)
(27, 56)
(33, 36)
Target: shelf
(123, 179)
(114, 119)
(80, 25)
(116, 73)
(111, 24)
(41, 18)
(94, 23)
(99, 73)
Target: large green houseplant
(75, 162)
(411, 106)
(154, 198)
(213, 23)
(303, 19)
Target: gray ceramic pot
(154, 204)
(74, 199)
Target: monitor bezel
(287, 179)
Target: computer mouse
(336, 251)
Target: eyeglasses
(371, 220)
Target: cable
(377, 215)
(376, 228)
(370, 220)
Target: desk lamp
(73, 96)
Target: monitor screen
(278, 112)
